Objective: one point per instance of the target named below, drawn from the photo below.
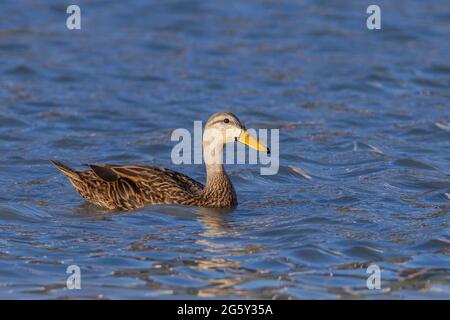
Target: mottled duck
(127, 187)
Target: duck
(128, 186)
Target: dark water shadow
(216, 220)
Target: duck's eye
(226, 120)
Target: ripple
(179, 281)
(13, 47)
(419, 182)
(313, 256)
(11, 213)
(410, 163)
(364, 252)
(439, 68)
(433, 244)
(300, 172)
(443, 126)
(433, 83)
(21, 70)
(10, 122)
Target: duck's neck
(214, 171)
(213, 155)
(219, 190)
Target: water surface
(364, 124)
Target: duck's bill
(247, 139)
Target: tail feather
(70, 173)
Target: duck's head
(224, 127)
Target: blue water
(364, 119)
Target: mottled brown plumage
(126, 187)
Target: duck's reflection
(219, 259)
(92, 212)
(217, 221)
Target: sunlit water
(364, 124)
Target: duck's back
(127, 187)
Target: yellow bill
(247, 139)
